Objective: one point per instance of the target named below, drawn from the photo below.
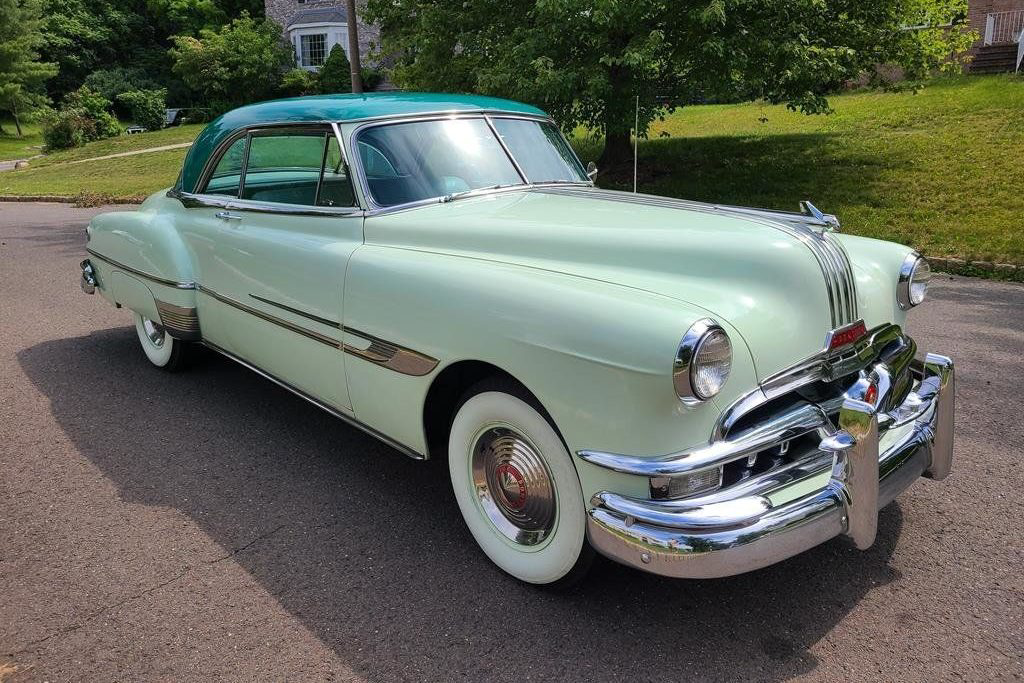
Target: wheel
(517, 489)
(162, 350)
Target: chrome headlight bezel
(685, 366)
(912, 286)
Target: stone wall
(282, 12)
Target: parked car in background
(690, 389)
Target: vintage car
(690, 389)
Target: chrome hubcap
(155, 333)
(513, 485)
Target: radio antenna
(636, 140)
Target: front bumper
(740, 530)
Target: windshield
(408, 162)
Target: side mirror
(591, 170)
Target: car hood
(758, 275)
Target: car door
(282, 252)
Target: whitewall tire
(518, 490)
(162, 350)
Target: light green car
(690, 389)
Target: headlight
(703, 362)
(913, 283)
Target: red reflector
(871, 395)
(847, 335)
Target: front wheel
(162, 350)
(518, 490)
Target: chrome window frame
(373, 208)
(202, 199)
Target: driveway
(211, 526)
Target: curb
(1011, 272)
(82, 200)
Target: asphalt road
(209, 525)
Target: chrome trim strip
(351, 420)
(310, 316)
(379, 352)
(305, 332)
(133, 271)
(508, 152)
(390, 355)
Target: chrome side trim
(180, 321)
(305, 332)
(390, 355)
(154, 278)
(320, 404)
(379, 351)
(304, 314)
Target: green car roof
(336, 108)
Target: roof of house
(323, 15)
(336, 108)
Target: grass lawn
(123, 143)
(942, 170)
(13, 147)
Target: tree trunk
(353, 47)
(618, 122)
(14, 113)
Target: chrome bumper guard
(738, 529)
(89, 281)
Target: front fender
(598, 356)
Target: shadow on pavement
(366, 548)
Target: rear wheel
(517, 488)
(162, 350)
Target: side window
(228, 174)
(335, 185)
(284, 168)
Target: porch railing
(1004, 27)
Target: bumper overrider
(739, 529)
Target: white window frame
(337, 34)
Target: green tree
(585, 61)
(191, 16)
(147, 108)
(240, 63)
(336, 72)
(83, 36)
(22, 74)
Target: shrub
(112, 83)
(335, 73)
(64, 129)
(147, 108)
(299, 82)
(239, 63)
(372, 78)
(83, 117)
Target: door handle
(228, 216)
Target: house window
(313, 49)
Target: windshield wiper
(463, 193)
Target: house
(1000, 24)
(313, 27)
